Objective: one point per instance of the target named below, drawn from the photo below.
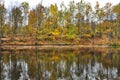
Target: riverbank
(55, 47)
(50, 42)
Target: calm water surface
(59, 64)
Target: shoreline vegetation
(57, 40)
(30, 43)
(76, 25)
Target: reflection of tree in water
(1, 66)
(7, 65)
(13, 68)
(55, 65)
(38, 66)
(92, 69)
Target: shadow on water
(59, 64)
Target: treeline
(75, 21)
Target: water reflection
(81, 64)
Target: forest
(76, 23)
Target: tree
(71, 10)
(95, 20)
(39, 15)
(108, 10)
(17, 18)
(108, 13)
(80, 6)
(32, 20)
(87, 24)
(99, 15)
(2, 18)
(53, 15)
(88, 12)
(116, 10)
(25, 8)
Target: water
(60, 64)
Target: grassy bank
(60, 41)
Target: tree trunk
(0, 40)
(0, 37)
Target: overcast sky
(32, 3)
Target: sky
(33, 3)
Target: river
(60, 64)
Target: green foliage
(25, 6)
(71, 31)
(6, 30)
(114, 45)
(16, 18)
(2, 15)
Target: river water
(60, 64)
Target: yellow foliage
(56, 32)
(87, 35)
(53, 9)
(55, 58)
